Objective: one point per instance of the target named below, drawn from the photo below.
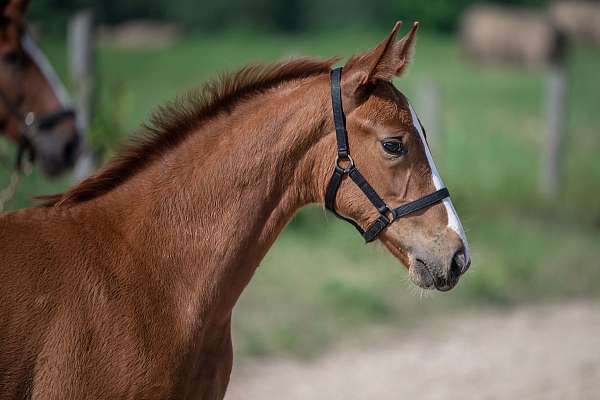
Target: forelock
(387, 104)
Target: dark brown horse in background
(123, 287)
(34, 105)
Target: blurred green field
(319, 282)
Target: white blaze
(45, 67)
(453, 220)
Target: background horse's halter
(30, 123)
(386, 215)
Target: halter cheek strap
(344, 165)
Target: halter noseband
(387, 215)
(30, 123)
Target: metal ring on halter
(29, 119)
(387, 213)
(347, 158)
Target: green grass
(319, 282)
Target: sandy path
(550, 352)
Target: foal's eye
(393, 147)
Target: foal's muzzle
(55, 152)
(431, 271)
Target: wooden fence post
(556, 101)
(82, 43)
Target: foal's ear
(385, 61)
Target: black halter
(386, 215)
(31, 124)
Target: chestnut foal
(123, 287)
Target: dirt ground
(549, 352)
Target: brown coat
(123, 287)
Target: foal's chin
(420, 273)
(424, 276)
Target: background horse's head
(33, 102)
(389, 146)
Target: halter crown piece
(387, 215)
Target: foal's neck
(212, 207)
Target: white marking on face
(453, 220)
(46, 68)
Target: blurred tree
(112, 11)
(277, 15)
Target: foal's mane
(170, 124)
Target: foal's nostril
(459, 264)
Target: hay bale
(579, 20)
(498, 35)
(139, 34)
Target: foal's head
(32, 98)
(389, 146)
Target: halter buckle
(347, 159)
